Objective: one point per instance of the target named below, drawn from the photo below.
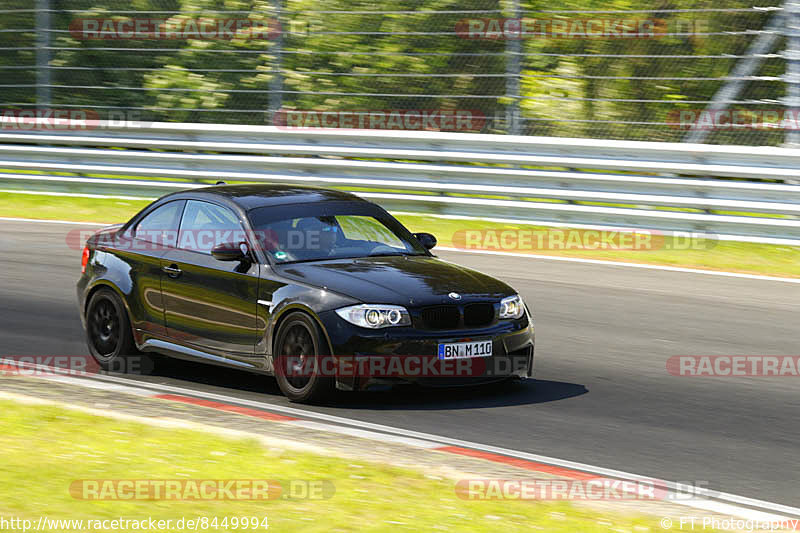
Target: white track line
(365, 434)
(79, 195)
(15, 219)
(724, 503)
(517, 255)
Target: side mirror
(230, 251)
(427, 240)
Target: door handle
(172, 271)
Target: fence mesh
(620, 69)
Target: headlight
(512, 307)
(375, 316)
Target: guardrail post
(276, 82)
(43, 54)
(513, 71)
(792, 77)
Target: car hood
(410, 280)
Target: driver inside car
(319, 236)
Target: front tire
(300, 353)
(110, 337)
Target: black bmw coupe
(319, 288)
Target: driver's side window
(205, 225)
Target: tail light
(85, 259)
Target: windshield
(332, 230)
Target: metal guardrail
(727, 190)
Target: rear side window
(160, 226)
(206, 225)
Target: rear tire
(110, 337)
(300, 353)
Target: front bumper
(409, 355)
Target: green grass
(731, 256)
(46, 448)
(68, 208)
(764, 259)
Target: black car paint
(400, 280)
(172, 316)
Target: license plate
(465, 350)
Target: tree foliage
(329, 58)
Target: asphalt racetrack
(602, 394)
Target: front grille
(478, 315)
(441, 317)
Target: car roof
(252, 196)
